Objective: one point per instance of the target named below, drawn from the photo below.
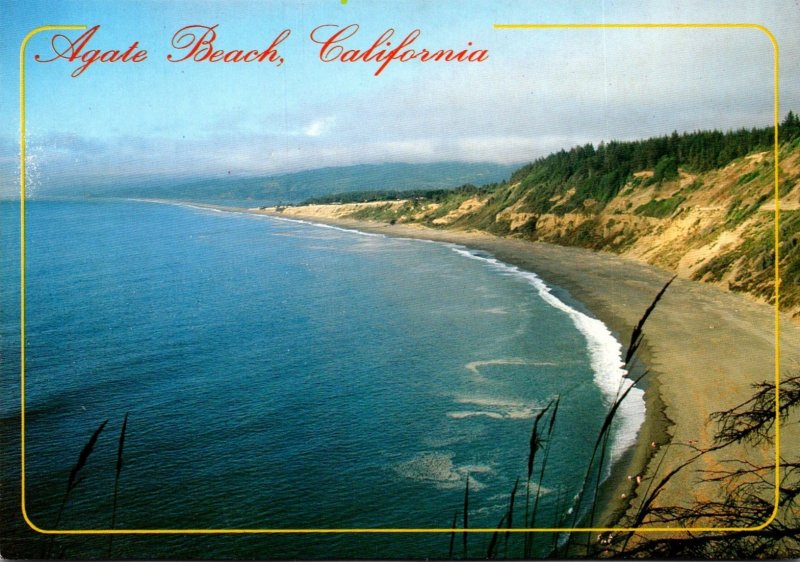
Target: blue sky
(539, 90)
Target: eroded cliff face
(716, 227)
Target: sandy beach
(704, 349)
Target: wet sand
(704, 349)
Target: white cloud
(319, 127)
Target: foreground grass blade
(452, 536)
(636, 336)
(493, 543)
(73, 481)
(120, 448)
(510, 517)
(84, 456)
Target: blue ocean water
(284, 375)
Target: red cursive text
(197, 44)
(64, 48)
(381, 51)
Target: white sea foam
(473, 414)
(491, 402)
(437, 468)
(496, 408)
(475, 366)
(495, 310)
(605, 354)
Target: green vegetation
(790, 128)
(785, 186)
(666, 169)
(694, 186)
(429, 195)
(528, 228)
(660, 208)
(738, 212)
(748, 177)
(599, 173)
(370, 196)
(716, 268)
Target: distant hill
(300, 186)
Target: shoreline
(617, 291)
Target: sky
(538, 91)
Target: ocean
(284, 375)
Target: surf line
(605, 353)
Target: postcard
(350, 279)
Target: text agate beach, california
(339, 279)
(195, 43)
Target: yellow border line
(424, 530)
(22, 178)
